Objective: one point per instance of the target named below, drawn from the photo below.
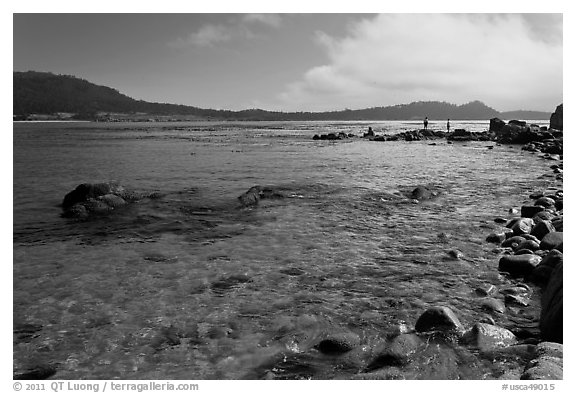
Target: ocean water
(194, 286)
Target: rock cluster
(333, 136)
(93, 199)
(534, 251)
(256, 193)
(519, 132)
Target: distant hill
(47, 94)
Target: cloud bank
(509, 61)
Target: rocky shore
(529, 264)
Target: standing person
(448, 125)
(426, 123)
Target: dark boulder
(530, 211)
(256, 193)
(439, 318)
(519, 265)
(542, 272)
(86, 191)
(422, 193)
(496, 124)
(88, 200)
(551, 316)
(338, 343)
(551, 240)
(542, 228)
(557, 118)
(546, 202)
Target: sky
(304, 62)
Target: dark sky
(303, 61)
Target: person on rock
(426, 123)
(448, 125)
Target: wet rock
(86, 191)
(422, 193)
(550, 349)
(530, 211)
(456, 254)
(397, 352)
(551, 240)
(489, 337)
(93, 199)
(523, 252)
(519, 265)
(256, 193)
(542, 216)
(558, 223)
(338, 343)
(496, 237)
(513, 242)
(542, 228)
(439, 318)
(531, 245)
(114, 201)
(486, 290)
(543, 271)
(545, 202)
(500, 220)
(522, 226)
(543, 368)
(516, 300)
(551, 316)
(493, 305)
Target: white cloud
(273, 20)
(507, 61)
(207, 35)
(236, 28)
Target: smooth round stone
(493, 305)
(519, 265)
(551, 240)
(338, 343)
(439, 318)
(546, 202)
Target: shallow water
(192, 286)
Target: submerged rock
(253, 196)
(422, 193)
(397, 352)
(338, 343)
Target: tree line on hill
(43, 93)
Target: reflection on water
(193, 286)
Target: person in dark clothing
(448, 125)
(426, 123)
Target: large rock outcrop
(557, 118)
(90, 199)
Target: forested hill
(41, 93)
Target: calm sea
(192, 286)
